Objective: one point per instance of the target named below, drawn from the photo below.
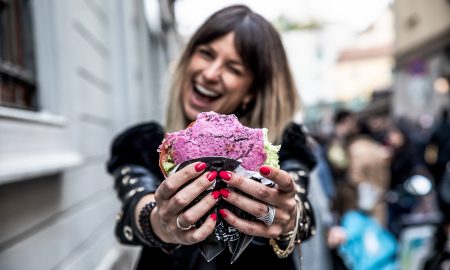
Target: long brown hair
(261, 50)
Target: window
(17, 64)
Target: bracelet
(291, 236)
(148, 234)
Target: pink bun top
(214, 134)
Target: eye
(206, 53)
(235, 70)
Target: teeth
(206, 92)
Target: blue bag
(369, 246)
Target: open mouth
(205, 94)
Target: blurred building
(422, 52)
(72, 75)
(366, 66)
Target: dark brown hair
(261, 50)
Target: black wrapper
(224, 235)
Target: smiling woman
(219, 80)
(239, 59)
(234, 64)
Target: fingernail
(213, 216)
(224, 192)
(223, 213)
(200, 166)
(211, 176)
(225, 175)
(264, 170)
(215, 194)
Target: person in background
(437, 147)
(357, 158)
(368, 170)
(346, 127)
(361, 242)
(234, 63)
(403, 164)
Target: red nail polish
(215, 194)
(200, 166)
(225, 175)
(223, 213)
(224, 192)
(211, 176)
(214, 216)
(264, 170)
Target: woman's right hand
(171, 203)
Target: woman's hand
(282, 197)
(170, 220)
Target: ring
(181, 227)
(269, 216)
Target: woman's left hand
(282, 197)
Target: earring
(244, 106)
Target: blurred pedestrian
(438, 145)
(346, 127)
(404, 163)
(361, 241)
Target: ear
(247, 98)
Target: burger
(218, 135)
(224, 144)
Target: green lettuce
(271, 151)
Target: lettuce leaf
(271, 151)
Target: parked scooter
(440, 258)
(413, 205)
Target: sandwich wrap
(224, 144)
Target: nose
(213, 71)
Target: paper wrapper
(224, 235)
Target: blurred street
(374, 80)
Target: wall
(99, 71)
(418, 21)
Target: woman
(235, 63)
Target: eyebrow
(230, 61)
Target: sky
(355, 15)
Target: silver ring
(183, 228)
(269, 216)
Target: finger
(252, 188)
(204, 230)
(281, 178)
(193, 214)
(250, 227)
(255, 208)
(186, 195)
(171, 184)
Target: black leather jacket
(134, 163)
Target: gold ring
(183, 228)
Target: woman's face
(217, 79)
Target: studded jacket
(134, 164)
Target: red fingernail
(200, 166)
(213, 216)
(223, 213)
(211, 176)
(215, 194)
(264, 170)
(225, 175)
(224, 192)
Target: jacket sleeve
(297, 158)
(135, 167)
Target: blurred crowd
(388, 187)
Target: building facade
(72, 75)
(422, 52)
